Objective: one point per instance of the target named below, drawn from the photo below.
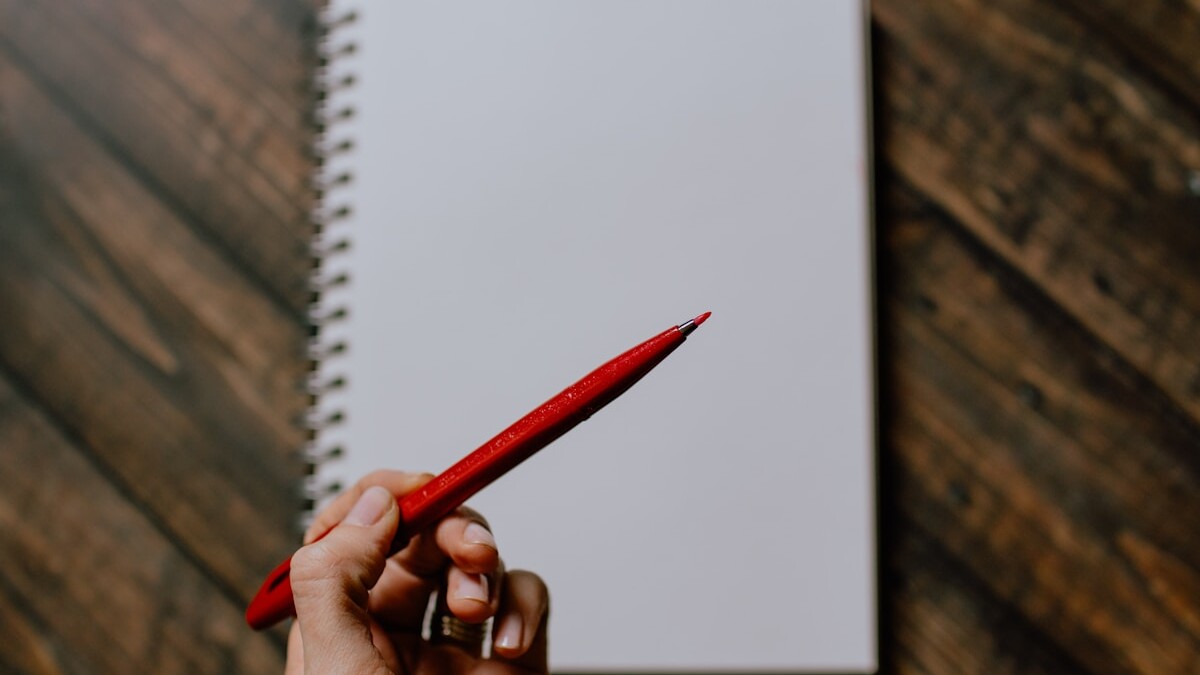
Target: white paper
(541, 185)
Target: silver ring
(447, 629)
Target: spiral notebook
(512, 193)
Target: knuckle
(315, 563)
(320, 567)
(321, 572)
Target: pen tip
(690, 325)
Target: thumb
(330, 583)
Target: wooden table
(1038, 198)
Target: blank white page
(538, 186)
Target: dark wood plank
(28, 645)
(1034, 459)
(1160, 36)
(88, 584)
(225, 151)
(1053, 152)
(274, 39)
(145, 344)
(943, 620)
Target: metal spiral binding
(328, 241)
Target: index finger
(460, 546)
(399, 483)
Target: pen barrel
(531, 433)
(443, 494)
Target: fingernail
(478, 534)
(474, 587)
(508, 636)
(370, 507)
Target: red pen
(446, 492)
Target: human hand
(359, 611)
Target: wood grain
(945, 621)
(225, 153)
(80, 561)
(145, 342)
(1039, 288)
(1066, 163)
(1013, 443)
(1160, 38)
